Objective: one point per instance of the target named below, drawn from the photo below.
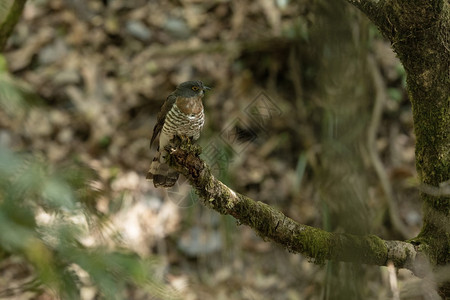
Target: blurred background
(307, 113)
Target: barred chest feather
(180, 123)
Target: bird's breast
(178, 122)
(189, 106)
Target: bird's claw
(184, 143)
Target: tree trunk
(420, 35)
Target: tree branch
(316, 244)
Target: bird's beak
(206, 88)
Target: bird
(181, 115)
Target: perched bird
(181, 115)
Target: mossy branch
(317, 244)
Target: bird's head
(191, 89)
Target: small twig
(380, 96)
(296, 77)
(393, 282)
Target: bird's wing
(167, 106)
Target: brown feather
(162, 116)
(192, 105)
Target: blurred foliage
(16, 96)
(45, 220)
(10, 12)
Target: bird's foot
(187, 144)
(184, 143)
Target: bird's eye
(195, 88)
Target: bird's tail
(160, 172)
